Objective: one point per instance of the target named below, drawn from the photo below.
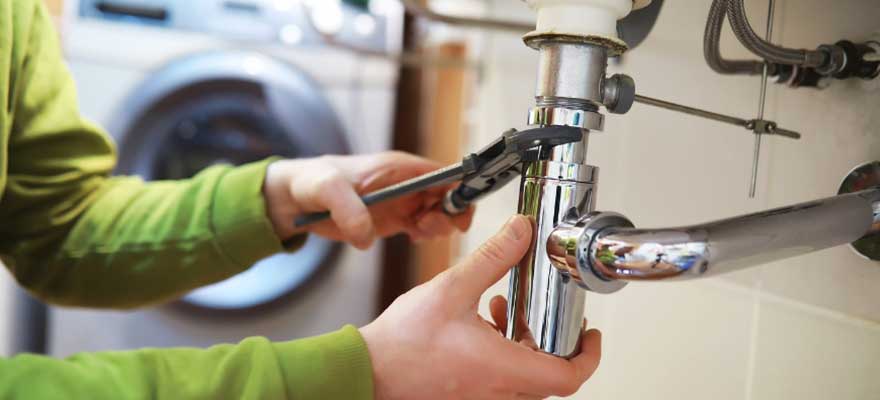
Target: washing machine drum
(231, 108)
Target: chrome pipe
(547, 306)
(618, 253)
(570, 73)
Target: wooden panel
(398, 259)
(441, 140)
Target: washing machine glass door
(235, 122)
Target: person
(74, 236)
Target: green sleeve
(72, 235)
(332, 366)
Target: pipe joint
(569, 248)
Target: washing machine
(182, 85)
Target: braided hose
(711, 46)
(736, 14)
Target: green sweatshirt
(74, 236)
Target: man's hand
(431, 343)
(335, 183)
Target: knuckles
(493, 251)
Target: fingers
(566, 376)
(498, 311)
(347, 210)
(392, 167)
(523, 396)
(492, 260)
(435, 223)
(463, 221)
(587, 361)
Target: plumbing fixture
(632, 29)
(603, 251)
(796, 67)
(860, 178)
(574, 39)
(478, 174)
(576, 248)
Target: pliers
(480, 173)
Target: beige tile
(747, 278)
(674, 341)
(804, 354)
(836, 279)
(839, 128)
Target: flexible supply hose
(736, 14)
(711, 46)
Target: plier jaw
(498, 163)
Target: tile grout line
(824, 312)
(753, 340)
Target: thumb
(493, 259)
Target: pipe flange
(569, 248)
(614, 45)
(560, 116)
(593, 223)
(863, 177)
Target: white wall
(805, 328)
(7, 324)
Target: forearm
(139, 243)
(332, 366)
(74, 236)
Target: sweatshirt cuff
(332, 366)
(241, 226)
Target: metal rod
(416, 8)
(756, 156)
(692, 111)
(405, 58)
(748, 124)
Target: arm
(73, 236)
(429, 344)
(332, 366)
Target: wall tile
(806, 353)
(673, 341)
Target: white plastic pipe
(581, 17)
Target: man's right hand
(431, 343)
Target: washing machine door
(232, 108)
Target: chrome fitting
(569, 250)
(559, 116)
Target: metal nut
(619, 93)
